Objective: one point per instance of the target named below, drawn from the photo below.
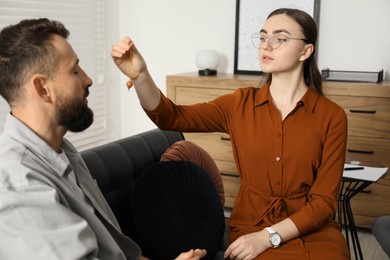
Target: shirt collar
(20, 132)
(263, 96)
(309, 100)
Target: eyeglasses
(274, 40)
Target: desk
(353, 182)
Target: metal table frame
(349, 188)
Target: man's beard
(74, 115)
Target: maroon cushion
(189, 151)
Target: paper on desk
(367, 174)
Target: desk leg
(353, 231)
(345, 214)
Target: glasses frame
(271, 44)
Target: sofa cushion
(189, 151)
(175, 207)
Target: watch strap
(270, 230)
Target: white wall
(354, 35)
(168, 34)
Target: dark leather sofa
(117, 164)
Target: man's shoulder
(13, 167)
(10, 148)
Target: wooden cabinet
(368, 109)
(367, 106)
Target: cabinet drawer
(219, 148)
(216, 144)
(367, 116)
(191, 95)
(372, 202)
(227, 167)
(231, 185)
(370, 150)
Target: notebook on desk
(364, 173)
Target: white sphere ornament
(207, 62)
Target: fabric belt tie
(274, 210)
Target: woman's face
(282, 53)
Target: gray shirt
(41, 216)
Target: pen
(353, 168)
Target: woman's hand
(127, 58)
(192, 255)
(248, 246)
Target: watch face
(275, 239)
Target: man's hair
(26, 48)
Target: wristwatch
(274, 237)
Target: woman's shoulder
(241, 92)
(249, 93)
(328, 102)
(327, 106)
(248, 89)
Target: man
(50, 207)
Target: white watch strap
(270, 230)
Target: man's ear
(40, 87)
(307, 52)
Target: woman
(288, 140)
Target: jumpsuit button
(277, 158)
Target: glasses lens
(275, 41)
(256, 40)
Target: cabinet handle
(360, 151)
(225, 138)
(362, 111)
(229, 174)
